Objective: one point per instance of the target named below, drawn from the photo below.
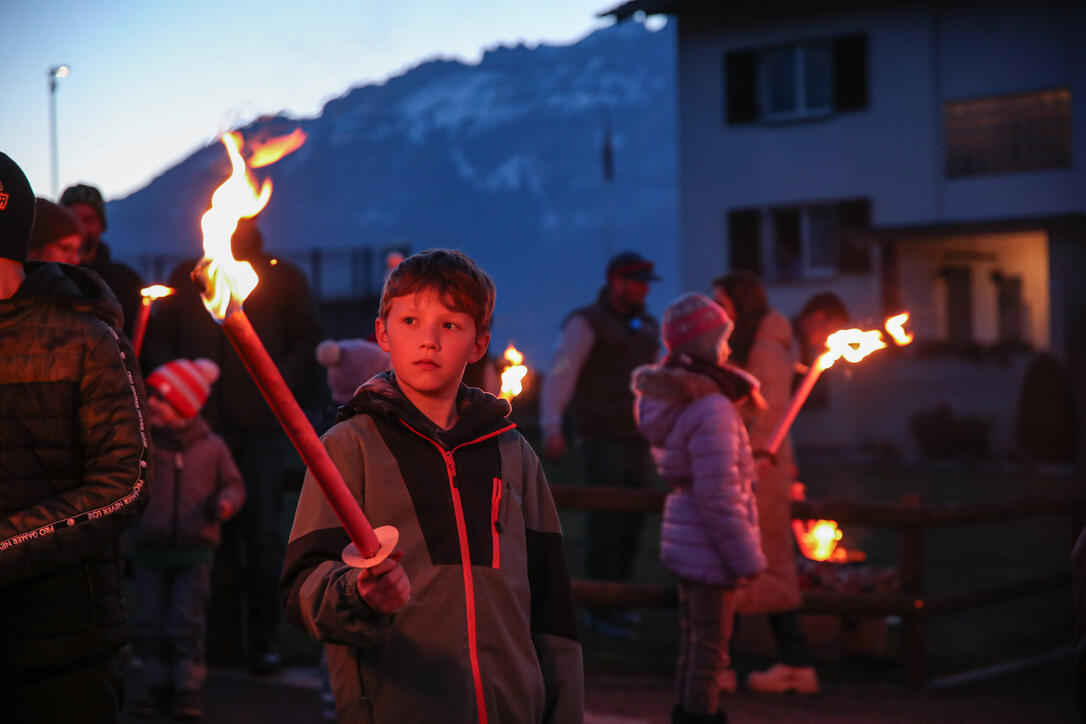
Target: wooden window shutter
(741, 86)
(850, 72)
(854, 217)
(744, 240)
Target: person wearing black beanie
(69, 486)
(16, 210)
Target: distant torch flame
(270, 151)
(852, 344)
(155, 291)
(238, 198)
(895, 327)
(513, 374)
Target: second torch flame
(513, 374)
(852, 345)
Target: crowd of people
(706, 412)
(172, 465)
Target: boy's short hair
(829, 304)
(461, 284)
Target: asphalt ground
(1038, 692)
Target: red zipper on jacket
(465, 555)
(495, 526)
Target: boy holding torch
(471, 619)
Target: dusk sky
(152, 81)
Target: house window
(802, 241)
(796, 80)
(805, 241)
(1020, 132)
(799, 80)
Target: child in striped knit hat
(197, 486)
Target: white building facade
(925, 156)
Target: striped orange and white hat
(184, 383)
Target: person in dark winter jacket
(471, 619)
(709, 538)
(74, 467)
(250, 559)
(90, 208)
(198, 487)
(600, 346)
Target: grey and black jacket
(73, 468)
(489, 634)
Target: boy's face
(430, 344)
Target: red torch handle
(268, 378)
(798, 399)
(141, 325)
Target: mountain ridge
(501, 158)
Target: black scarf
(733, 382)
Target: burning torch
(225, 283)
(851, 344)
(149, 295)
(513, 373)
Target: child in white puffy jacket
(709, 538)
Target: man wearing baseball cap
(599, 347)
(73, 476)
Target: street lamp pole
(57, 71)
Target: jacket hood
(661, 394)
(775, 327)
(480, 412)
(75, 286)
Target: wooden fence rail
(910, 516)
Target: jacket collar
(181, 437)
(74, 286)
(480, 412)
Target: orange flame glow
(895, 327)
(155, 291)
(268, 152)
(852, 344)
(820, 539)
(237, 198)
(513, 374)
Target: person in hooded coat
(685, 407)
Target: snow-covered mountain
(501, 159)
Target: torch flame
(513, 374)
(895, 327)
(155, 291)
(235, 199)
(852, 344)
(268, 152)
